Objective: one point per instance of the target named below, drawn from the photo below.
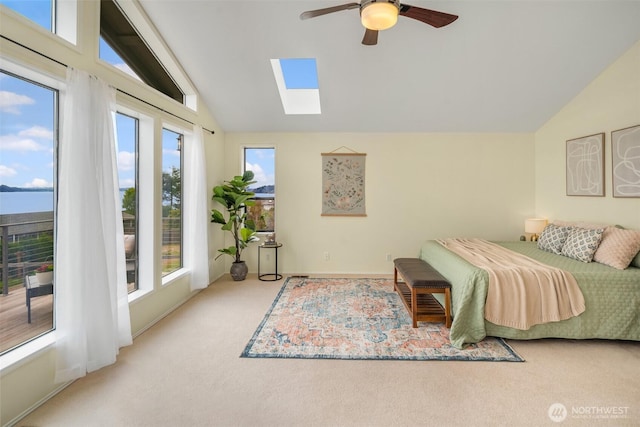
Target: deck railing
(27, 243)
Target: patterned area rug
(356, 319)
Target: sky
(262, 163)
(26, 133)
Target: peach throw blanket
(522, 292)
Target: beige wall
(610, 102)
(418, 187)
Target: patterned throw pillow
(582, 243)
(552, 238)
(618, 247)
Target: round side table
(269, 277)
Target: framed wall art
(585, 166)
(343, 184)
(625, 158)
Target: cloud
(38, 183)
(175, 152)
(126, 161)
(259, 175)
(37, 132)
(6, 171)
(124, 67)
(127, 183)
(15, 143)
(10, 102)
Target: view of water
(28, 201)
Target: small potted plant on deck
(235, 197)
(44, 274)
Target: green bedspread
(612, 298)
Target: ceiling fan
(377, 15)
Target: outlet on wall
(326, 256)
(388, 257)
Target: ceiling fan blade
(319, 12)
(431, 17)
(370, 37)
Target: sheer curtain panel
(197, 215)
(92, 310)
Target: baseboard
(165, 314)
(37, 404)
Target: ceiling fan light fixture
(379, 15)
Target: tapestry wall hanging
(625, 154)
(585, 166)
(343, 184)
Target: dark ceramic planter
(239, 270)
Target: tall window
(261, 161)
(28, 122)
(171, 201)
(127, 135)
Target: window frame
(57, 86)
(63, 20)
(135, 52)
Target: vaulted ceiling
(503, 66)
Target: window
(58, 17)
(261, 161)
(110, 56)
(28, 123)
(38, 11)
(297, 81)
(127, 137)
(171, 201)
(122, 46)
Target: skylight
(297, 80)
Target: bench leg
(447, 306)
(414, 308)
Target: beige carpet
(186, 371)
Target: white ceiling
(503, 66)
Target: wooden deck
(14, 328)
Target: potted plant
(235, 197)
(44, 274)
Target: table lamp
(534, 226)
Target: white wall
(610, 102)
(418, 187)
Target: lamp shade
(534, 225)
(379, 15)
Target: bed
(611, 297)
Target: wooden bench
(420, 282)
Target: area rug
(362, 319)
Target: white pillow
(582, 243)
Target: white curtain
(196, 195)
(92, 311)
